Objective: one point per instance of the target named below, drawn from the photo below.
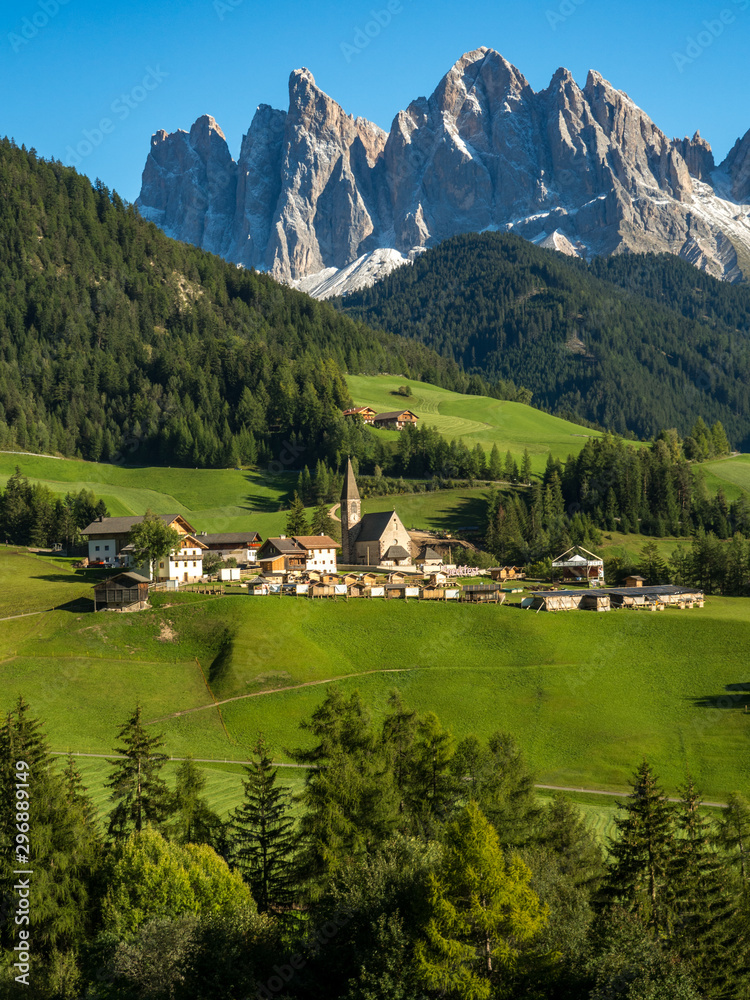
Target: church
(371, 539)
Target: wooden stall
(483, 593)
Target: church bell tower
(351, 513)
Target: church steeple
(349, 490)
(351, 514)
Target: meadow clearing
(585, 695)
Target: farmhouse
(371, 539)
(578, 565)
(242, 546)
(124, 592)
(297, 554)
(396, 420)
(365, 412)
(108, 544)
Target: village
(379, 558)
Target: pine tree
(508, 467)
(704, 912)
(321, 522)
(733, 836)
(641, 853)
(139, 794)
(263, 839)
(526, 467)
(296, 521)
(495, 465)
(563, 830)
(193, 821)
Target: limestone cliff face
(737, 165)
(315, 190)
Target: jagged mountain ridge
(314, 190)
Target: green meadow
(586, 695)
(476, 419)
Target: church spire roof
(349, 490)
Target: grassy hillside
(634, 343)
(585, 694)
(476, 419)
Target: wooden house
(357, 589)
(634, 581)
(242, 546)
(433, 591)
(371, 578)
(282, 554)
(365, 413)
(396, 577)
(124, 592)
(395, 420)
(483, 593)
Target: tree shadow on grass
(737, 696)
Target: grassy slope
(479, 419)
(585, 694)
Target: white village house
(109, 545)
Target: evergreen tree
(263, 841)
(193, 821)
(495, 469)
(641, 852)
(138, 792)
(296, 521)
(526, 467)
(733, 836)
(321, 522)
(704, 930)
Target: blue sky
(68, 66)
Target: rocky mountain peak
(316, 190)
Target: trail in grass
(226, 760)
(293, 687)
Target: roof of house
(431, 554)
(286, 546)
(121, 525)
(349, 490)
(372, 526)
(236, 538)
(316, 541)
(483, 588)
(397, 552)
(124, 580)
(395, 415)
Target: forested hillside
(114, 337)
(634, 344)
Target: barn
(124, 592)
